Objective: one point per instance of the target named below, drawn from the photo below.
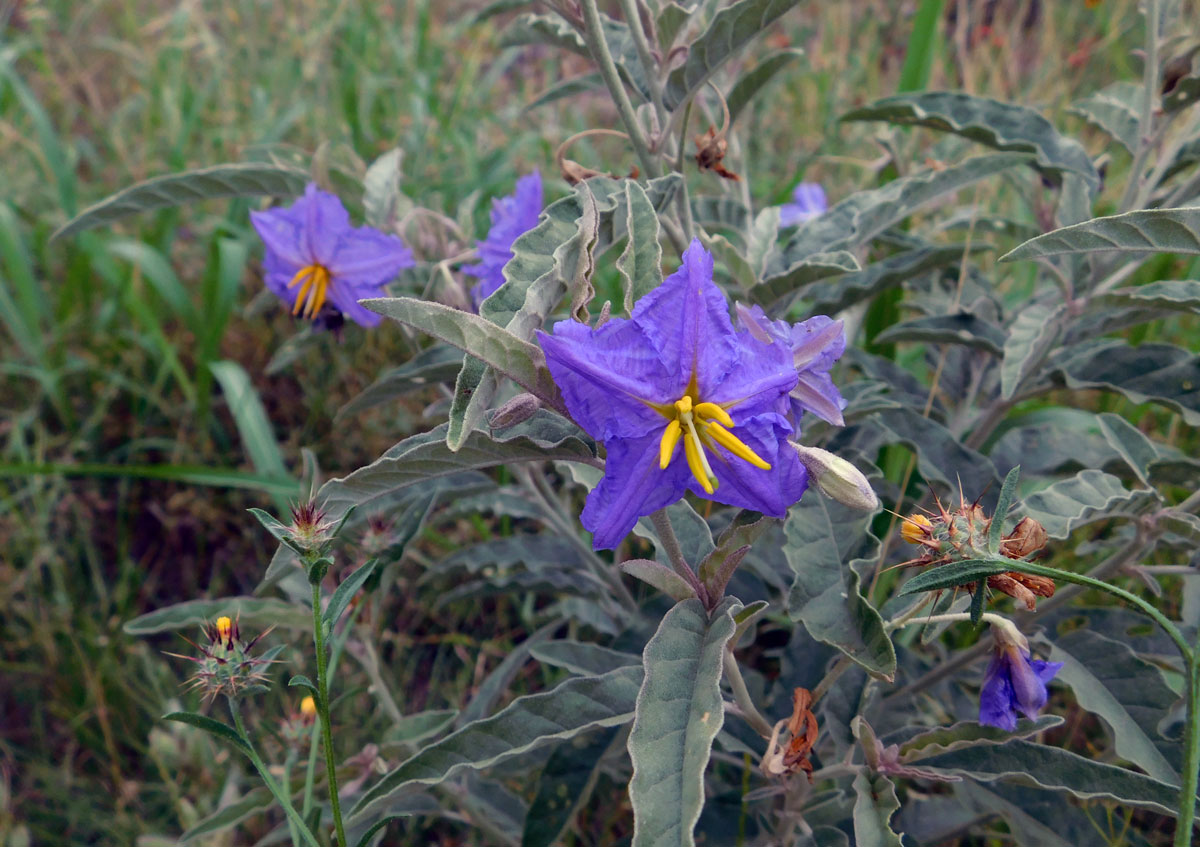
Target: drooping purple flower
(815, 344)
(1013, 683)
(316, 258)
(512, 217)
(808, 201)
(677, 370)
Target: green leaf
(743, 531)
(415, 728)
(1147, 231)
(1089, 496)
(255, 801)
(822, 536)
(695, 537)
(730, 29)
(1117, 110)
(640, 264)
(1131, 444)
(960, 328)
(756, 79)
(564, 787)
(781, 284)
(253, 612)
(679, 713)
(1042, 766)
(1149, 373)
(1003, 126)
(944, 739)
(571, 708)
(922, 47)
(1176, 295)
(301, 681)
(835, 295)
(211, 726)
(659, 576)
(862, 216)
(1030, 335)
(345, 592)
(1184, 93)
(874, 804)
(1126, 692)
(434, 365)
(1008, 493)
(941, 457)
(254, 427)
(582, 657)
(250, 179)
(953, 574)
(374, 828)
(671, 19)
(383, 200)
(720, 212)
(566, 88)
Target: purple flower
(1013, 683)
(512, 217)
(314, 257)
(677, 370)
(808, 201)
(815, 344)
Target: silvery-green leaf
(671, 19)
(1131, 444)
(250, 612)
(1128, 693)
(429, 367)
(573, 707)
(874, 804)
(1004, 126)
(1008, 493)
(757, 78)
(567, 88)
(822, 537)
(781, 284)
(1089, 496)
(744, 530)
(660, 577)
(1029, 337)
(1034, 818)
(954, 574)
(720, 212)
(961, 328)
(944, 739)
(504, 554)
(249, 179)
(522, 583)
(862, 216)
(728, 31)
(210, 725)
(730, 263)
(941, 457)
(1177, 295)
(1117, 110)
(640, 264)
(1146, 231)
(564, 786)
(415, 728)
(255, 801)
(1188, 155)
(383, 201)
(583, 657)
(1148, 373)
(835, 295)
(679, 713)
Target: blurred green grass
(109, 339)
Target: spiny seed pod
(225, 665)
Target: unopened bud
(517, 410)
(838, 479)
(225, 631)
(308, 707)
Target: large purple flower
(314, 257)
(808, 201)
(512, 217)
(677, 370)
(815, 345)
(1013, 683)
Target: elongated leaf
(862, 216)
(1042, 766)
(187, 474)
(838, 294)
(429, 367)
(255, 801)
(345, 592)
(874, 804)
(210, 725)
(254, 427)
(960, 328)
(782, 284)
(413, 729)
(953, 574)
(660, 576)
(822, 537)
(757, 78)
(1147, 231)
(940, 456)
(1117, 110)
(1004, 126)
(383, 200)
(1126, 692)
(944, 739)
(1176, 295)
(567, 88)
(745, 529)
(250, 179)
(1149, 373)
(255, 612)
(640, 264)
(1030, 336)
(582, 657)
(720, 212)
(679, 713)
(1089, 496)
(730, 29)
(573, 707)
(922, 46)
(1131, 444)
(564, 786)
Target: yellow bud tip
(224, 628)
(308, 707)
(915, 528)
(670, 440)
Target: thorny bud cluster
(309, 529)
(948, 536)
(225, 665)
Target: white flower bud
(838, 479)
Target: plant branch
(323, 712)
(670, 544)
(741, 696)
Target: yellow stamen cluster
(700, 425)
(225, 629)
(915, 528)
(313, 291)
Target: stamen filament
(694, 440)
(670, 440)
(735, 445)
(693, 454)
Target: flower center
(313, 291)
(699, 425)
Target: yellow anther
(224, 629)
(915, 528)
(735, 445)
(684, 404)
(713, 411)
(670, 440)
(313, 292)
(694, 459)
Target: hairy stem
(335, 802)
(670, 543)
(741, 696)
(642, 46)
(1191, 755)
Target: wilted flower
(815, 345)
(512, 217)
(315, 259)
(808, 201)
(786, 759)
(225, 664)
(677, 370)
(1013, 682)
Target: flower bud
(308, 707)
(838, 479)
(225, 631)
(916, 529)
(517, 410)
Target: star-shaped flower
(808, 201)
(512, 217)
(316, 259)
(1013, 683)
(678, 371)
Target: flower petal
(366, 256)
(996, 697)
(512, 217)
(325, 220)
(816, 393)
(771, 492)
(282, 232)
(346, 296)
(633, 486)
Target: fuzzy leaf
(960, 328)
(953, 574)
(940, 456)
(640, 264)
(659, 576)
(210, 725)
(434, 365)
(1008, 493)
(1117, 110)
(582, 657)
(783, 284)
(679, 713)
(345, 592)
(1089, 496)
(255, 612)
(944, 739)
(1030, 335)
(874, 804)
(1131, 444)
(1149, 373)
(833, 296)
(383, 201)
(756, 79)
(1176, 295)
(564, 786)
(1147, 231)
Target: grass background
(125, 471)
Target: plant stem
(642, 46)
(280, 797)
(670, 543)
(1191, 755)
(1149, 96)
(323, 711)
(741, 696)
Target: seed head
(225, 664)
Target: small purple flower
(1013, 683)
(315, 257)
(677, 370)
(815, 344)
(808, 201)
(512, 217)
